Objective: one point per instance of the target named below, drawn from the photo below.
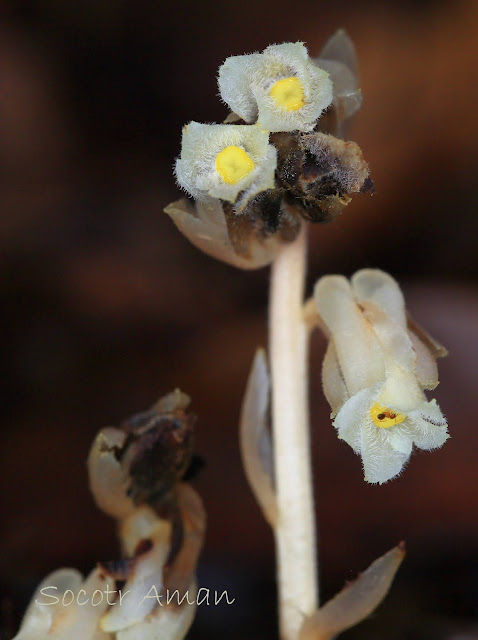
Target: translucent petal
(41, 613)
(358, 351)
(426, 368)
(333, 382)
(436, 348)
(255, 440)
(168, 622)
(347, 97)
(108, 483)
(339, 59)
(179, 574)
(92, 603)
(380, 288)
(356, 601)
(204, 225)
(147, 570)
(340, 47)
(393, 337)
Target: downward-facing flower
(230, 162)
(281, 88)
(375, 371)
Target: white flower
(281, 88)
(375, 371)
(64, 607)
(225, 161)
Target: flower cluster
(377, 365)
(269, 163)
(136, 476)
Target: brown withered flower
(319, 173)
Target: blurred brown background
(106, 306)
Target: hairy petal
(381, 461)
(352, 417)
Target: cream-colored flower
(375, 371)
(281, 88)
(230, 162)
(66, 607)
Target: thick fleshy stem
(295, 532)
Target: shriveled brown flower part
(163, 531)
(142, 461)
(247, 240)
(356, 601)
(319, 174)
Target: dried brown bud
(320, 173)
(142, 461)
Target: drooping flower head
(230, 162)
(375, 371)
(281, 88)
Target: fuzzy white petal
(430, 427)
(381, 461)
(401, 438)
(353, 415)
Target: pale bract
(377, 365)
(230, 162)
(280, 88)
(339, 59)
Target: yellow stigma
(385, 417)
(233, 164)
(288, 93)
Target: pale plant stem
(295, 532)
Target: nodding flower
(377, 365)
(281, 88)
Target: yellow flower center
(233, 164)
(385, 417)
(288, 93)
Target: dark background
(106, 306)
